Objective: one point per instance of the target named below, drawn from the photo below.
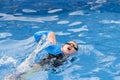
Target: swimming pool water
(94, 24)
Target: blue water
(94, 24)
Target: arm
(52, 38)
(50, 35)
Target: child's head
(70, 47)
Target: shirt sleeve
(39, 34)
(53, 49)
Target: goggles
(74, 46)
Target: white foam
(83, 28)
(6, 60)
(5, 34)
(110, 22)
(28, 10)
(2, 14)
(63, 22)
(75, 23)
(80, 35)
(38, 19)
(99, 4)
(77, 13)
(29, 61)
(62, 33)
(96, 70)
(54, 10)
(101, 1)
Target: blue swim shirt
(52, 49)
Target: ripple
(38, 19)
(29, 10)
(18, 14)
(108, 59)
(83, 28)
(95, 7)
(101, 1)
(75, 23)
(98, 53)
(80, 35)
(96, 70)
(54, 10)
(118, 65)
(35, 26)
(62, 33)
(4, 35)
(85, 49)
(80, 41)
(70, 70)
(63, 22)
(77, 13)
(104, 35)
(90, 78)
(41, 75)
(110, 22)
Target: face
(69, 48)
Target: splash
(6, 60)
(28, 63)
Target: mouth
(69, 49)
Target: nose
(71, 46)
